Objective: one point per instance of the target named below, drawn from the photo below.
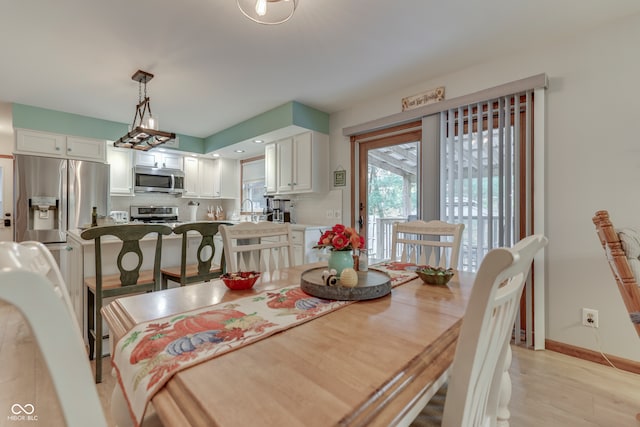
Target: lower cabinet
(72, 265)
(304, 239)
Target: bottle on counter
(94, 216)
(363, 260)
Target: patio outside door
(389, 183)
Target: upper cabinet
(271, 168)
(56, 145)
(159, 159)
(191, 182)
(211, 178)
(121, 170)
(226, 179)
(302, 164)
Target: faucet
(253, 216)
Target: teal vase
(339, 260)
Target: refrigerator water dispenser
(43, 214)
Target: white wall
(592, 162)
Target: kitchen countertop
(75, 234)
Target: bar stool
(205, 269)
(128, 281)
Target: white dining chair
(31, 281)
(263, 246)
(435, 243)
(479, 386)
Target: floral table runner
(152, 352)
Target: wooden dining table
(364, 364)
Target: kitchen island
(77, 260)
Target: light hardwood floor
(549, 389)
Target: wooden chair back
(127, 281)
(619, 264)
(32, 282)
(202, 269)
(263, 246)
(434, 243)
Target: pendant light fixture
(268, 12)
(144, 133)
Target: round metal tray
(371, 284)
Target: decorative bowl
(240, 280)
(435, 275)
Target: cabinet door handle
(57, 148)
(68, 248)
(155, 165)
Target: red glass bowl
(240, 280)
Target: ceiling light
(268, 12)
(144, 133)
(258, 141)
(239, 151)
(216, 155)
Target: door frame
(427, 132)
(6, 164)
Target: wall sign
(425, 98)
(340, 178)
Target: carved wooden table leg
(504, 397)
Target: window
(253, 184)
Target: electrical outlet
(590, 317)
(337, 214)
(329, 214)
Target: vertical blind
(486, 173)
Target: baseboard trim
(593, 356)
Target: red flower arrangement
(340, 238)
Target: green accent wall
(291, 113)
(42, 119)
(35, 118)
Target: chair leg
(98, 345)
(165, 282)
(91, 322)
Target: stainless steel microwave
(158, 180)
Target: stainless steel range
(157, 214)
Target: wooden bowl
(240, 280)
(435, 277)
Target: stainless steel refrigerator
(55, 195)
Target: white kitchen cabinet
(86, 149)
(207, 177)
(191, 177)
(226, 180)
(304, 239)
(121, 170)
(271, 168)
(303, 163)
(71, 257)
(200, 177)
(159, 159)
(56, 145)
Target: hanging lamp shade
(144, 133)
(268, 12)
